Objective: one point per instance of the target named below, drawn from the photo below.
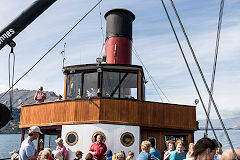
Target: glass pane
(90, 84)
(110, 84)
(71, 138)
(128, 85)
(74, 85)
(49, 141)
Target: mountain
(20, 97)
(231, 123)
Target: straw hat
(59, 140)
(35, 129)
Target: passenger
(204, 149)
(45, 155)
(27, 149)
(57, 155)
(178, 154)
(228, 154)
(190, 152)
(145, 155)
(78, 155)
(153, 150)
(39, 155)
(119, 156)
(59, 97)
(14, 155)
(39, 96)
(89, 156)
(98, 148)
(108, 154)
(170, 146)
(50, 151)
(61, 147)
(130, 155)
(218, 153)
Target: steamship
(108, 98)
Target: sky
(153, 40)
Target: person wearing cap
(61, 147)
(39, 96)
(78, 155)
(27, 149)
(98, 148)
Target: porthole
(127, 139)
(94, 136)
(71, 138)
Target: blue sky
(152, 38)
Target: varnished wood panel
(114, 111)
(59, 113)
(148, 114)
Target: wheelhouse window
(74, 86)
(110, 84)
(119, 85)
(90, 82)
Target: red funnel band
(118, 50)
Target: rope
(215, 60)
(150, 76)
(189, 70)
(51, 48)
(204, 80)
(103, 43)
(10, 84)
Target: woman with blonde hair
(190, 152)
(57, 155)
(170, 146)
(178, 154)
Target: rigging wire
(52, 47)
(10, 84)
(215, 60)
(103, 43)
(204, 80)
(150, 76)
(189, 70)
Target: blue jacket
(144, 156)
(109, 154)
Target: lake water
(10, 142)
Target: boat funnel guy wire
(52, 47)
(150, 76)
(204, 80)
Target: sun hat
(59, 140)
(35, 129)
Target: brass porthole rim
(124, 134)
(101, 133)
(76, 140)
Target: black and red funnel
(118, 44)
